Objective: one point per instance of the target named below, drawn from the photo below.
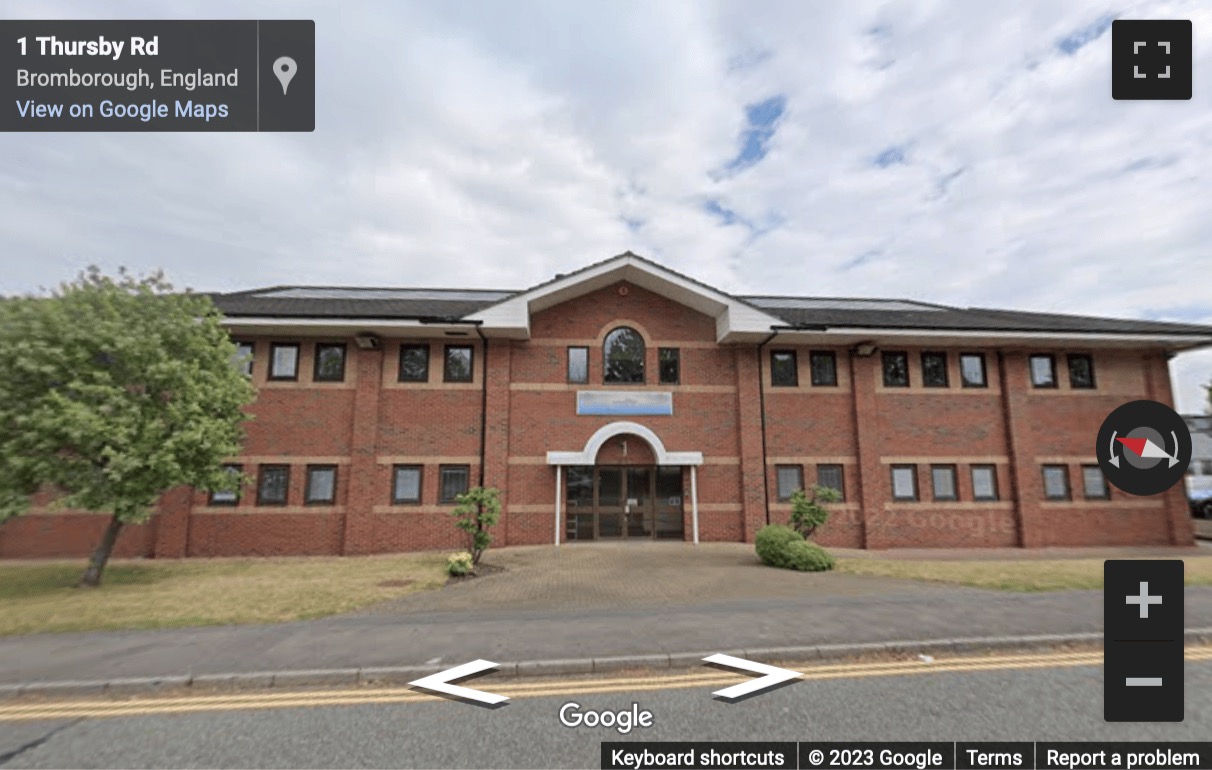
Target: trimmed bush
(458, 564)
(781, 546)
(807, 557)
(771, 544)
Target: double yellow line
(96, 708)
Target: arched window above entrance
(623, 351)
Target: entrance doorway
(621, 502)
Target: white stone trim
(511, 317)
(588, 456)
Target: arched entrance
(624, 485)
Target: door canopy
(588, 455)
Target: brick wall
(371, 422)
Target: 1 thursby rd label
(157, 75)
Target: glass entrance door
(623, 501)
(668, 502)
(610, 501)
(638, 503)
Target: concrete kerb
(398, 675)
(402, 675)
(625, 662)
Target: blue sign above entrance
(615, 402)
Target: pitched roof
(905, 314)
(356, 302)
(808, 313)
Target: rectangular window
(405, 484)
(904, 482)
(458, 364)
(1056, 482)
(414, 363)
(453, 481)
(670, 361)
(784, 371)
(243, 359)
(284, 361)
(1043, 371)
(321, 487)
(578, 365)
(227, 498)
(330, 362)
(972, 370)
(824, 367)
(934, 370)
(942, 479)
(896, 370)
(273, 485)
(832, 476)
(1094, 484)
(1207, 464)
(1081, 371)
(789, 478)
(984, 482)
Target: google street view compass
(1144, 448)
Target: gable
(735, 320)
(621, 303)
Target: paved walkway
(584, 601)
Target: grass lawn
(1009, 575)
(41, 596)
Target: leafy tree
(807, 509)
(477, 509)
(114, 391)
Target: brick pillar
(1177, 511)
(364, 474)
(753, 474)
(1027, 486)
(171, 524)
(496, 433)
(1013, 401)
(873, 475)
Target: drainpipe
(762, 408)
(483, 377)
(1011, 451)
(774, 331)
(483, 405)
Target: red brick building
(628, 401)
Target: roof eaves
(1020, 329)
(846, 299)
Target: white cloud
(495, 144)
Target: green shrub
(771, 544)
(808, 510)
(478, 509)
(781, 546)
(458, 564)
(807, 557)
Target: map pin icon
(285, 68)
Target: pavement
(586, 608)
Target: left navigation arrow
(441, 683)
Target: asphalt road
(1024, 704)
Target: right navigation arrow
(773, 676)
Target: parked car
(1201, 508)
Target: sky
(949, 151)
